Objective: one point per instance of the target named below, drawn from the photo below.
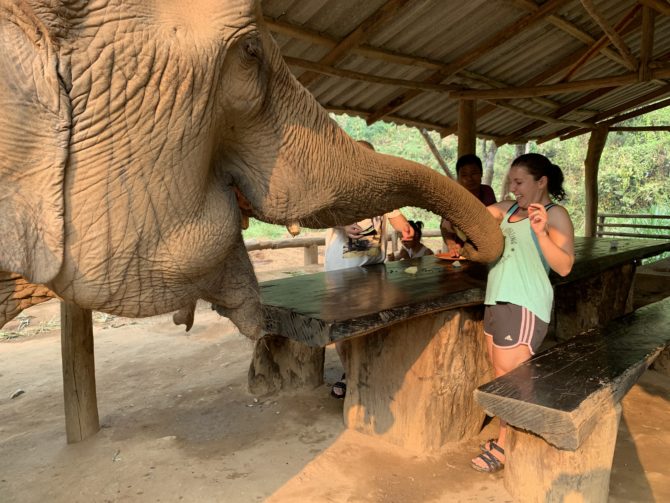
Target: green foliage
(633, 174)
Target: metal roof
(411, 61)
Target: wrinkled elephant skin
(128, 127)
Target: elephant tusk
(293, 228)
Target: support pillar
(412, 384)
(596, 144)
(467, 127)
(311, 254)
(280, 363)
(537, 472)
(81, 404)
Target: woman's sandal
(339, 389)
(493, 464)
(491, 443)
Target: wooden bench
(563, 406)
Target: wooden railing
(620, 228)
(311, 245)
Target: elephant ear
(35, 116)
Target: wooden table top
(321, 308)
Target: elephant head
(128, 126)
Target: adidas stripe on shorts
(511, 325)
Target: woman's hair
(539, 166)
(417, 226)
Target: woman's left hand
(537, 214)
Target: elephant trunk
(348, 182)
(310, 172)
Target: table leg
(412, 384)
(281, 363)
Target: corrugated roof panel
(446, 30)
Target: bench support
(412, 384)
(536, 471)
(81, 404)
(280, 363)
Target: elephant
(129, 133)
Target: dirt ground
(179, 425)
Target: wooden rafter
(543, 76)
(613, 35)
(547, 74)
(604, 42)
(394, 102)
(569, 107)
(647, 43)
(640, 128)
(598, 93)
(544, 118)
(432, 126)
(623, 117)
(609, 117)
(661, 6)
(366, 77)
(625, 79)
(571, 29)
(362, 32)
(312, 37)
(635, 102)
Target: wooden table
(415, 341)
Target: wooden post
(596, 144)
(281, 363)
(467, 127)
(81, 406)
(311, 254)
(536, 471)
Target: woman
(539, 236)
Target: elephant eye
(252, 48)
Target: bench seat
(569, 396)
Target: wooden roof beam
(641, 128)
(366, 77)
(640, 100)
(516, 136)
(544, 118)
(613, 35)
(647, 43)
(625, 79)
(660, 6)
(571, 29)
(392, 103)
(541, 77)
(603, 42)
(432, 126)
(362, 32)
(313, 37)
(607, 114)
(620, 118)
(569, 107)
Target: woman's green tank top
(520, 275)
